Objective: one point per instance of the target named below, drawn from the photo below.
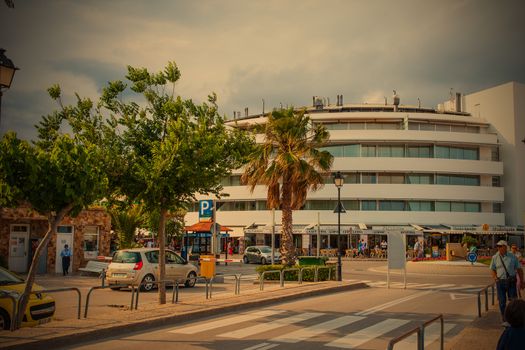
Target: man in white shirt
(504, 268)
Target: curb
(121, 329)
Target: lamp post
(7, 72)
(338, 181)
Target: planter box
(312, 260)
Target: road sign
(472, 257)
(205, 209)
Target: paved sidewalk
(482, 334)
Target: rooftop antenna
(418, 103)
(263, 106)
(385, 100)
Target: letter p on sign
(206, 209)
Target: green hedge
(308, 273)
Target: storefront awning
(205, 227)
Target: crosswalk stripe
(355, 339)
(464, 286)
(320, 328)
(432, 333)
(206, 326)
(439, 286)
(260, 328)
(262, 346)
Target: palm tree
(289, 163)
(126, 222)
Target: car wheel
(245, 260)
(146, 284)
(190, 283)
(5, 321)
(263, 261)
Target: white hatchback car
(140, 265)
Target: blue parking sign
(205, 209)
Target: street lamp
(338, 182)
(7, 72)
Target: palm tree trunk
(162, 256)
(287, 246)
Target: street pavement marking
(463, 286)
(362, 336)
(260, 328)
(392, 303)
(460, 296)
(309, 332)
(262, 346)
(432, 333)
(439, 286)
(206, 326)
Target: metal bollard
(103, 277)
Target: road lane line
(439, 286)
(260, 328)
(392, 303)
(362, 336)
(206, 326)
(309, 332)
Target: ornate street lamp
(7, 72)
(338, 182)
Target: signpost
(396, 254)
(472, 257)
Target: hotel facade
(432, 173)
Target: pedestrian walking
(513, 337)
(504, 268)
(514, 250)
(66, 259)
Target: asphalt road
(431, 289)
(360, 319)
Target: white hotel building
(436, 173)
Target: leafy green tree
(173, 148)
(290, 164)
(126, 220)
(58, 176)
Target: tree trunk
(287, 246)
(53, 222)
(162, 256)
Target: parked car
(140, 265)
(260, 254)
(40, 307)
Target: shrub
(308, 273)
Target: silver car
(261, 254)
(134, 266)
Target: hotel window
(442, 127)
(420, 206)
(356, 126)
(392, 205)
(496, 181)
(351, 150)
(496, 207)
(391, 151)
(90, 242)
(427, 127)
(350, 178)
(368, 150)
(349, 204)
(368, 178)
(423, 179)
(442, 206)
(368, 205)
(389, 178)
(424, 151)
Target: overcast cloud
(245, 51)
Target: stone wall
(39, 226)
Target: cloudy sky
(245, 51)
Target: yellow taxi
(40, 308)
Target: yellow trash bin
(207, 265)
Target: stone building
(21, 230)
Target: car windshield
(125, 257)
(7, 277)
(265, 249)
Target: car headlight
(12, 293)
